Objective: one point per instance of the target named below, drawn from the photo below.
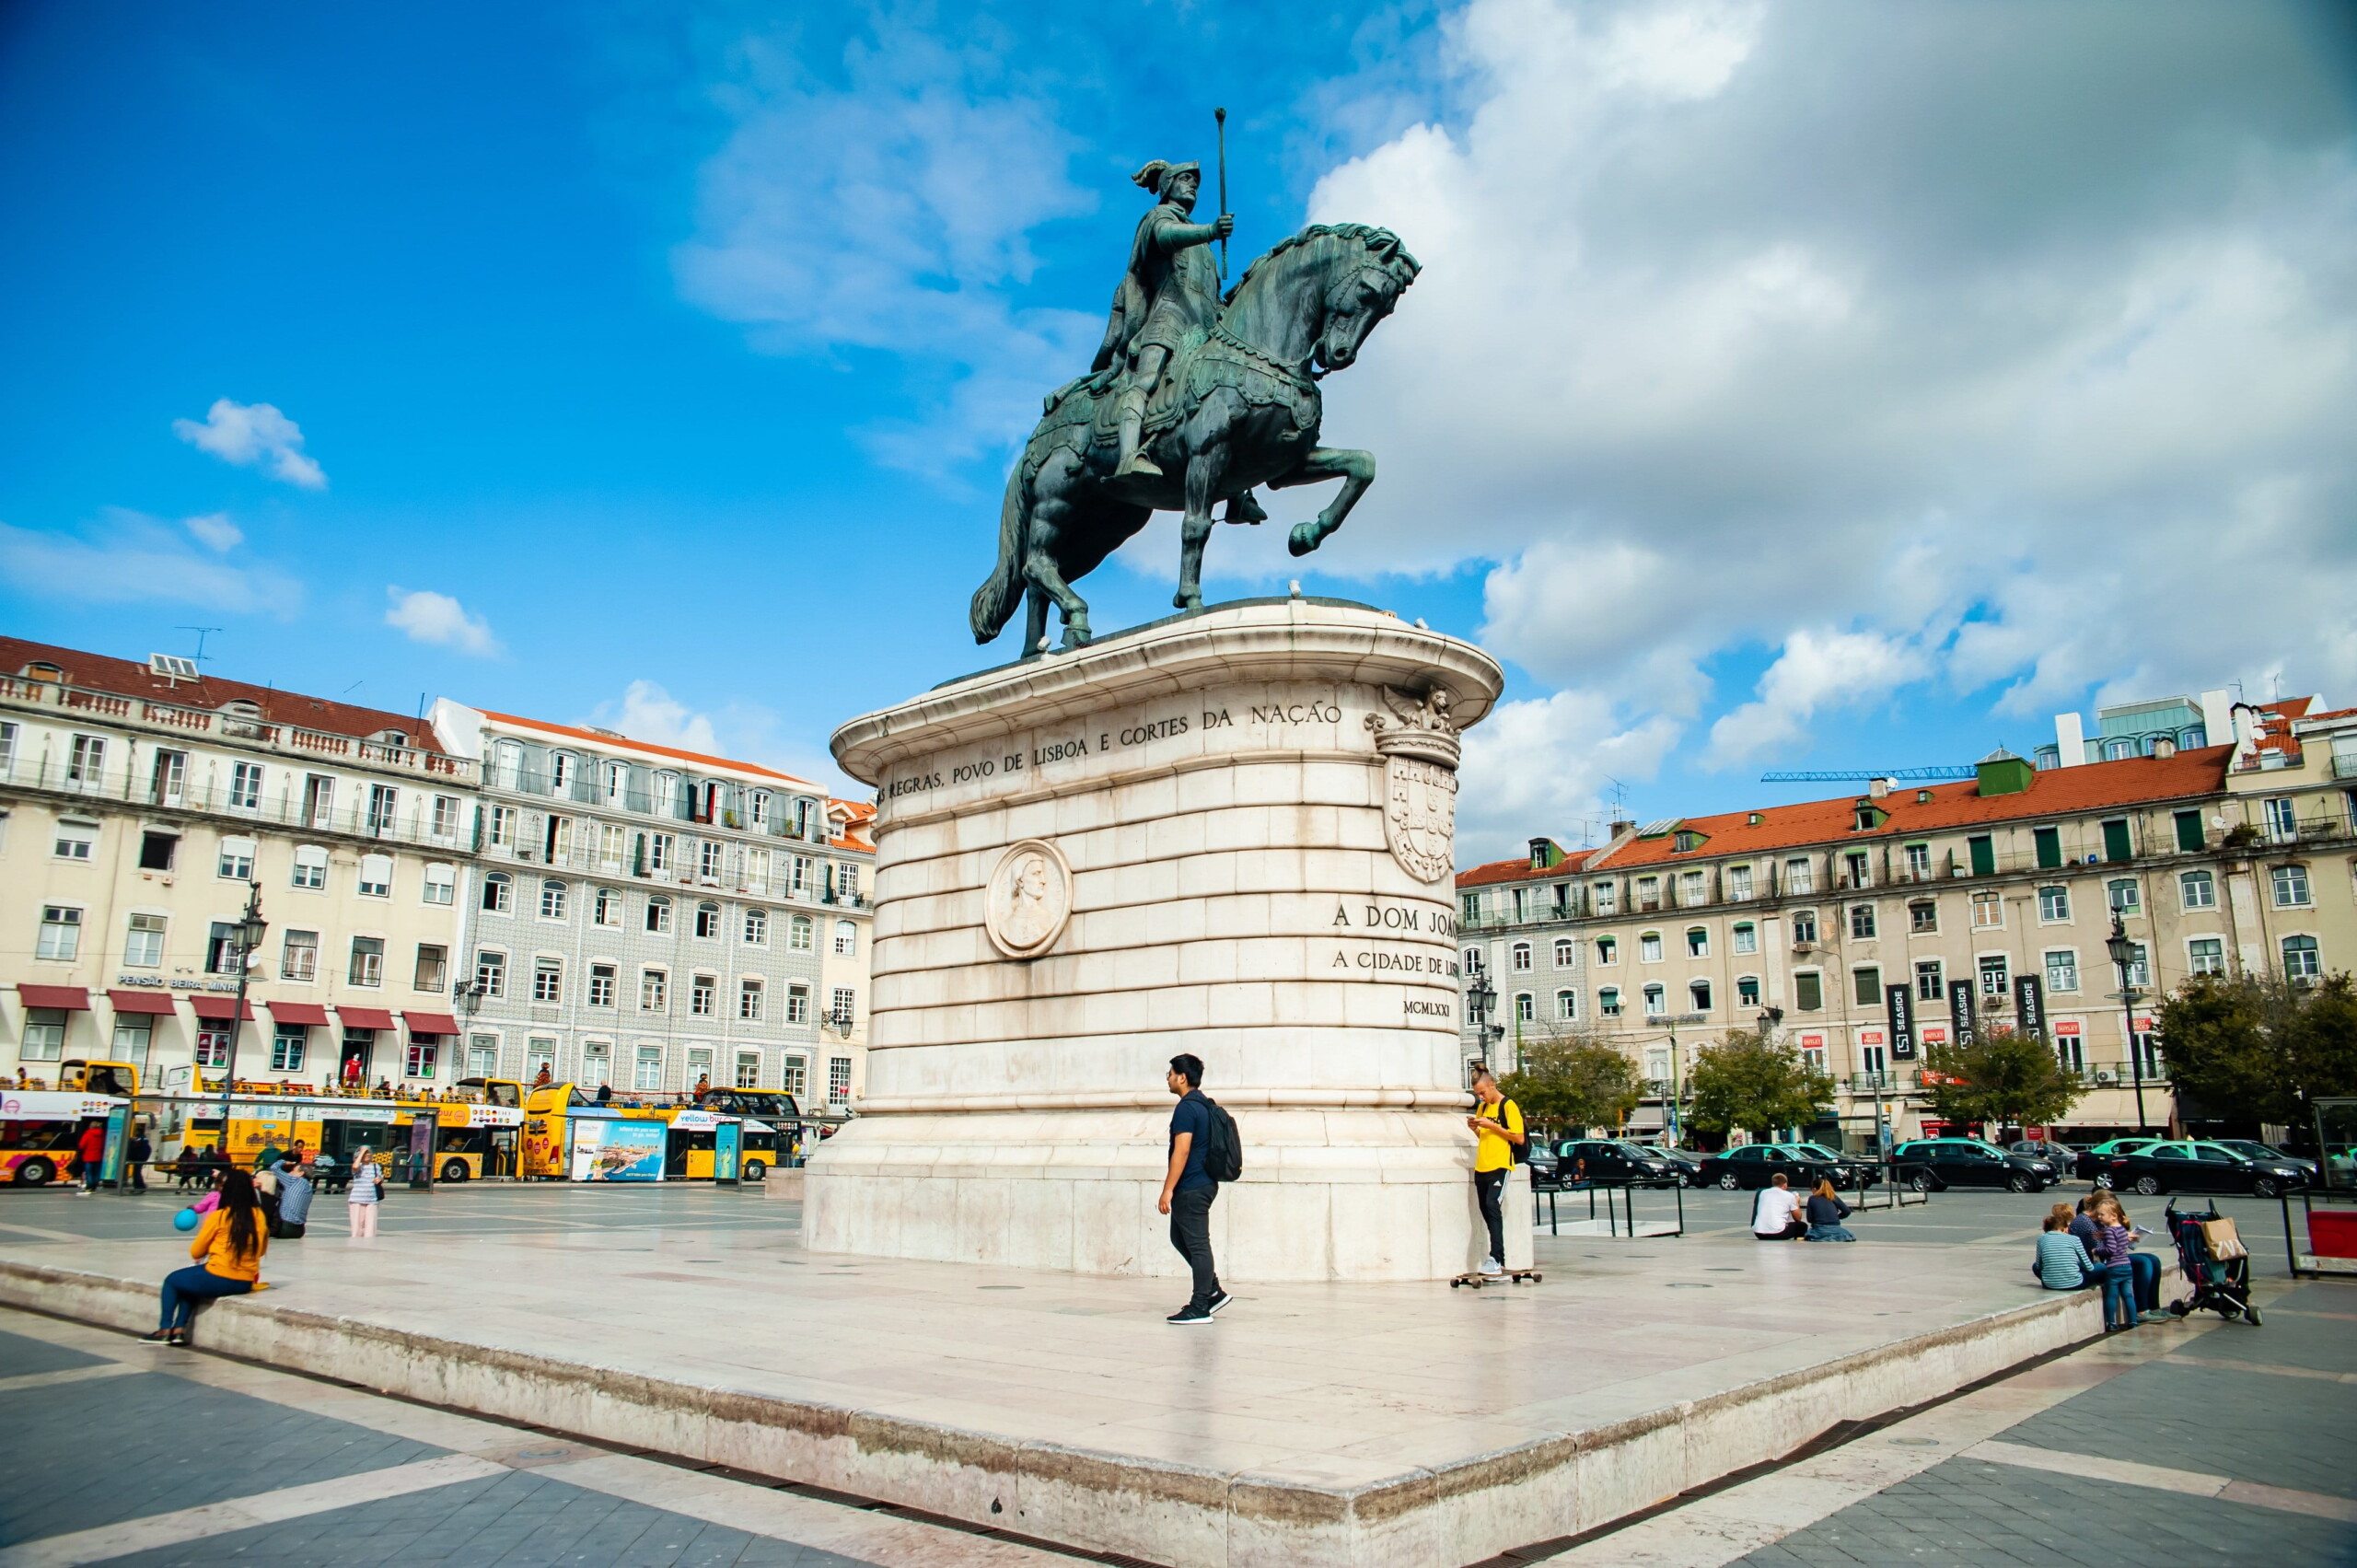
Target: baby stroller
(2215, 1263)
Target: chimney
(1878, 788)
(2069, 740)
(2217, 718)
(2164, 746)
(1620, 828)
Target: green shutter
(2114, 841)
(2188, 830)
(1808, 993)
(1868, 983)
(1984, 856)
(2049, 848)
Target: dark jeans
(1190, 1233)
(2118, 1295)
(1489, 1186)
(183, 1288)
(90, 1169)
(2147, 1281)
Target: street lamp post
(247, 934)
(1481, 996)
(1669, 1114)
(2123, 954)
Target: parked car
(1932, 1165)
(2266, 1154)
(1804, 1165)
(1613, 1159)
(2200, 1168)
(2090, 1163)
(2064, 1158)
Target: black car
(2064, 1158)
(1609, 1159)
(1803, 1164)
(1933, 1165)
(2200, 1168)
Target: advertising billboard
(617, 1150)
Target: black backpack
(1223, 1149)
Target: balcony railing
(414, 822)
(172, 718)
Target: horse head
(1315, 295)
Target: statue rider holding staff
(1172, 288)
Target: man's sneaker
(1219, 1299)
(1492, 1268)
(160, 1337)
(1189, 1314)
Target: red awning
(156, 1002)
(298, 1012)
(430, 1023)
(73, 998)
(221, 1007)
(365, 1018)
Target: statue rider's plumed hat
(1158, 176)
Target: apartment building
(138, 801)
(1861, 928)
(650, 918)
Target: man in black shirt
(1188, 1190)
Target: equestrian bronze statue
(1193, 401)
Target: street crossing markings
(2159, 1478)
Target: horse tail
(995, 601)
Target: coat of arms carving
(1418, 746)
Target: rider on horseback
(1171, 289)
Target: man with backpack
(1497, 1123)
(1202, 1150)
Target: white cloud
(252, 436)
(2021, 349)
(1544, 765)
(128, 557)
(650, 713)
(215, 529)
(439, 620)
(891, 212)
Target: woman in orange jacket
(229, 1245)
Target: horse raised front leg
(1203, 470)
(1355, 468)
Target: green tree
(1572, 1080)
(1749, 1081)
(2261, 1049)
(2000, 1077)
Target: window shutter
(2188, 830)
(2116, 844)
(1984, 856)
(2049, 848)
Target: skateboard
(1511, 1276)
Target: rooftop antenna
(201, 632)
(1620, 794)
(355, 686)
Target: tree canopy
(2000, 1077)
(1749, 1081)
(1571, 1080)
(2260, 1050)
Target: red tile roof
(600, 737)
(123, 678)
(2053, 791)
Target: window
(142, 944)
(1607, 950)
(384, 809)
(606, 909)
(838, 1081)
(87, 765)
(613, 846)
(561, 772)
(422, 1058)
(2048, 841)
(498, 892)
(1798, 876)
(483, 1056)
(245, 787)
(2139, 965)
(757, 870)
(1995, 975)
(2197, 890)
(237, 861)
(1698, 942)
(2300, 961)
(1608, 1001)
(1607, 897)
(548, 980)
(44, 1035)
(155, 851)
(441, 884)
(1808, 991)
(286, 1047)
(1746, 938)
(1520, 956)
(1648, 893)
(1526, 1008)
(552, 899)
(1862, 921)
(445, 817)
(61, 933)
(2189, 831)
(1923, 916)
(601, 985)
(2290, 886)
(748, 1001)
(502, 827)
(1931, 980)
(1982, 849)
(797, 1003)
(648, 1073)
(707, 920)
(597, 1063)
(539, 1053)
(298, 956)
(2123, 895)
(170, 779)
(2116, 841)
(701, 993)
(2282, 820)
(1656, 1002)
(1803, 925)
(801, 883)
(1747, 990)
(1918, 862)
(1865, 987)
(658, 913)
(1567, 1005)
(212, 1046)
(1649, 947)
(847, 882)
(617, 781)
(711, 856)
(794, 1077)
(491, 973)
(661, 851)
(557, 842)
(376, 875)
(1699, 992)
(433, 971)
(1567, 952)
(2061, 971)
(1692, 893)
(757, 928)
(367, 965)
(761, 809)
(2054, 904)
(749, 1063)
(221, 955)
(75, 840)
(653, 990)
(2206, 955)
(1988, 909)
(1738, 883)
(1472, 905)
(839, 1007)
(847, 942)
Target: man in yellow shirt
(1497, 1123)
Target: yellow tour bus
(39, 1129)
(682, 1151)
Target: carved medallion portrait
(1029, 899)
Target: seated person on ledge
(2063, 1263)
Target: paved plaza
(2184, 1443)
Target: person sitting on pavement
(2063, 1263)
(230, 1242)
(1776, 1212)
(293, 1201)
(1826, 1212)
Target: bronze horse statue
(1239, 407)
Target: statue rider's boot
(1243, 508)
(1134, 461)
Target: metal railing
(172, 718)
(414, 821)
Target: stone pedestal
(1229, 833)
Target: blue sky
(1788, 386)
